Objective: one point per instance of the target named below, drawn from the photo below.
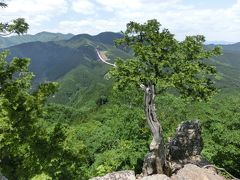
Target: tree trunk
(154, 162)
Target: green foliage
(220, 124)
(95, 140)
(81, 87)
(41, 177)
(26, 147)
(3, 5)
(61, 113)
(115, 137)
(159, 59)
(102, 100)
(18, 26)
(125, 156)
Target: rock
(187, 141)
(149, 166)
(188, 172)
(120, 175)
(184, 159)
(156, 177)
(2, 177)
(186, 146)
(193, 172)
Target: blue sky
(216, 19)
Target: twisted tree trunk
(155, 160)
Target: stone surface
(188, 172)
(149, 165)
(193, 172)
(186, 146)
(121, 175)
(2, 177)
(187, 141)
(156, 177)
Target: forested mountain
(228, 66)
(42, 37)
(75, 64)
(50, 61)
(110, 126)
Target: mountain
(42, 37)
(74, 63)
(218, 42)
(116, 125)
(51, 60)
(228, 65)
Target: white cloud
(90, 26)
(34, 11)
(36, 6)
(84, 7)
(181, 19)
(94, 16)
(111, 5)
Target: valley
(106, 123)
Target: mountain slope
(42, 37)
(228, 66)
(74, 63)
(51, 60)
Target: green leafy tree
(161, 63)
(27, 147)
(31, 147)
(18, 26)
(20, 111)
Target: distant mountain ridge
(42, 37)
(104, 37)
(52, 59)
(74, 63)
(219, 42)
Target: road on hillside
(104, 59)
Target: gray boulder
(121, 175)
(187, 141)
(156, 177)
(193, 172)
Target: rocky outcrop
(183, 159)
(188, 172)
(2, 177)
(187, 141)
(193, 172)
(121, 175)
(156, 177)
(186, 146)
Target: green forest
(66, 115)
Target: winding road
(104, 60)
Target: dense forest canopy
(88, 128)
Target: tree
(161, 63)
(18, 26)
(27, 147)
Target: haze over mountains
(73, 61)
(42, 36)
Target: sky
(217, 20)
